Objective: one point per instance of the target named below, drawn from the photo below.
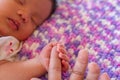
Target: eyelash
(21, 2)
(33, 21)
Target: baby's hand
(63, 56)
(44, 56)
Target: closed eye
(22, 2)
(34, 22)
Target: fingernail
(106, 76)
(58, 48)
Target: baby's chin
(21, 38)
(3, 33)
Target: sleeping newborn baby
(18, 20)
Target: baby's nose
(24, 15)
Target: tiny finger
(65, 65)
(61, 49)
(64, 57)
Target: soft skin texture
(21, 17)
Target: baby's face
(19, 18)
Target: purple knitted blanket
(91, 24)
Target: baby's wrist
(41, 64)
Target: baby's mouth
(14, 24)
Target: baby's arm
(23, 70)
